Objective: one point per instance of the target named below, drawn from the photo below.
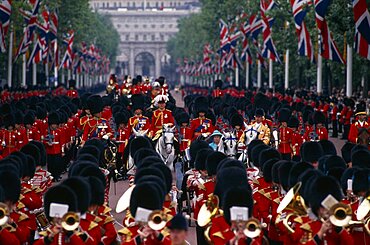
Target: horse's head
(168, 135)
(139, 133)
(230, 142)
(363, 136)
(250, 134)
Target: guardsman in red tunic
(121, 136)
(32, 133)
(347, 117)
(41, 122)
(96, 127)
(237, 123)
(162, 115)
(8, 136)
(139, 123)
(18, 223)
(297, 137)
(53, 142)
(285, 135)
(325, 192)
(361, 123)
(201, 126)
(217, 91)
(72, 92)
(136, 86)
(58, 201)
(185, 133)
(334, 117)
(20, 131)
(321, 131)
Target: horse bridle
(164, 138)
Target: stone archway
(145, 64)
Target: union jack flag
(256, 26)
(31, 19)
(5, 12)
(68, 56)
(362, 19)
(224, 35)
(362, 47)
(207, 51)
(269, 49)
(305, 47)
(246, 53)
(266, 5)
(37, 54)
(328, 48)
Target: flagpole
(349, 71)
(56, 63)
(237, 76)
(63, 78)
(10, 58)
(319, 73)
(68, 74)
(287, 69)
(24, 70)
(270, 73)
(47, 72)
(34, 74)
(259, 75)
(247, 75)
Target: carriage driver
(258, 125)
(162, 115)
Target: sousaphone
(124, 201)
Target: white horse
(230, 142)
(165, 145)
(250, 134)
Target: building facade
(144, 28)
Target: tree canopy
(203, 28)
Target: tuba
(291, 202)
(208, 210)
(70, 221)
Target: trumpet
(4, 214)
(70, 221)
(157, 220)
(253, 228)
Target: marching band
(242, 166)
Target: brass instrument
(363, 209)
(293, 201)
(253, 228)
(70, 221)
(340, 214)
(41, 219)
(124, 201)
(4, 214)
(157, 220)
(208, 210)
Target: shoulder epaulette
(268, 195)
(92, 225)
(43, 233)
(22, 216)
(98, 219)
(106, 209)
(218, 234)
(108, 219)
(298, 220)
(306, 227)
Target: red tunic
(185, 136)
(139, 123)
(297, 141)
(161, 117)
(96, 128)
(200, 126)
(32, 134)
(61, 237)
(9, 142)
(53, 142)
(72, 93)
(285, 140)
(122, 136)
(353, 132)
(322, 133)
